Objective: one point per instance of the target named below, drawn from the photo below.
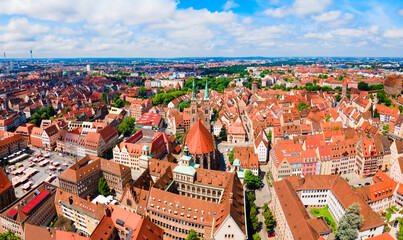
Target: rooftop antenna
(30, 51)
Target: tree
(269, 135)
(376, 114)
(363, 86)
(192, 235)
(338, 97)
(126, 126)
(50, 111)
(104, 97)
(67, 110)
(302, 106)
(231, 156)
(349, 223)
(253, 217)
(223, 134)
(103, 187)
(252, 181)
(327, 118)
(386, 127)
(8, 236)
(269, 220)
(256, 236)
(400, 233)
(371, 96)
(142, 92)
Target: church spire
(193, 91)
(206, 94)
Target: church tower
(193, 106)
(206, 109)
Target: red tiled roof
(199, 140)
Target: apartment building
(84, 214)
(292, 195)
(82, 178)
(372, 154)
(143, 142)
(11, 143)
(36, 207)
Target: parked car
(395, 223)
(271, 234)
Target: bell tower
(206, 108)
(193, 106)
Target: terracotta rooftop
(199, 140)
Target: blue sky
(201, 28)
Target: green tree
(126, 126)
(253, 217)
(252, 181)
(192, 235)
(8, 236)
(386, 127)
(349, 223)
(231, 156)
(376, 114)
(256, 236)
(363, 86)
(327, 118)
(67, 110)
(103, 187)
(269, 135)
(338, 97)
(400, 233)
(142, 92)
(223, 134)
(50, 111)
(371, 96)
(269, 220)
(104, 97)
(302, 106)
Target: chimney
(88, 199)
(301, 180)
(108, 212)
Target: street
(223, 146)
(263, 196)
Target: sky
(201, 28)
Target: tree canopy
(103, 187)
(42, 113)
(223, 134)
(166, 97)
(126, 126)
(192, 235)
(349, 223)
(302, 106)
(8, 236)
(142, 92)
(252, 181)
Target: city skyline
(170, 29)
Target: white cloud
(229, 5)
(327, 16)
(393, 33)
(19, 29)
(277, 12)
(247, 20)
(348, 33)
(66, 31)
(92, 11)
(401, 12)
(299, 8)
(260, 36)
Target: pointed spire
(193, 91)
(206, 94)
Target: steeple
(193, 91)
(206, 94)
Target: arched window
(129, 203)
